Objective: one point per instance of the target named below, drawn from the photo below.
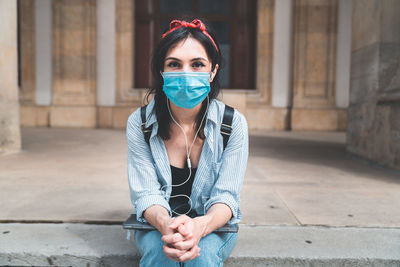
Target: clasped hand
(181, 236)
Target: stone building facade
(78, 65)
(312, 59)
(10, 140)
(374, 113)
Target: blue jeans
(215, 249)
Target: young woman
(184, 182)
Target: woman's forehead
(187, 49)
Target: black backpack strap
(146, 131)
(226, 126)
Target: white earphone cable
(188, 151)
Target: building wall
(10, 139)
(374, 111)
(314, 62)
(79, 93)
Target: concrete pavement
(293, 178)
(294, 181)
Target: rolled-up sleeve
(232, 170)
(144, 186)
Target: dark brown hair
(157, 66)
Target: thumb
(177, 221)
(183, 230)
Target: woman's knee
(150, 247)
(148, 241)
(214, 249)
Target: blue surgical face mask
(186, 89)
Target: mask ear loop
(187, 159)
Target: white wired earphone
(188, 150)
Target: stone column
(314, 67)
(27, 53)
(343, 54)
(125, 47)
(282, 64)
(106, 52)
(374, 112)
(10, 138)
(74, 63)
(258, 103)
(43, 52)
(116, 98)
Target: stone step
(86, 245)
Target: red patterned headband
(195, 24)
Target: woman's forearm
(217, 216)
(157, 216)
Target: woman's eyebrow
(199, 58)
(172, 58)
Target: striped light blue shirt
(219, 175)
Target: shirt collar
(150, 115)
(212, 111)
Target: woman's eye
(173, 64)
(198, 64)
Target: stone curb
(106, 245)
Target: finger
(173, 252)
(170, 256)
(172, 238)
(178, 221)
(184, 230)
(198, 252)
(184, 245)
(190, 255)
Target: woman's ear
(213, 73)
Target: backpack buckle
(144, 129)
(226, 129)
